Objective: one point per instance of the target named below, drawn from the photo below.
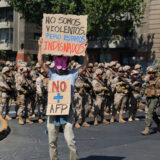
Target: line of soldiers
(104, 88)
(111, 88)
(26, 88)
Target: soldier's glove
(24, 91)
(105, 88)
(135, 83)
(121, 83)
(87, 85)
(127, 86)
(40, 95)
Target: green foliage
(103, 15)
(2, 55)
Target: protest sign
(59, 97)
(64, 34)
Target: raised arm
(85, 62)
(40, 58)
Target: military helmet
(90, 65)
(11, 64)
(37, 65)
(120, 69)
(48, 63)
(5, 69)
(137, 66)
(126, 68)
(118, 65)
(96, 64)
(152, 70)
(112, 63)
(101, 65)
(106, 65)
(25, 69)
(52, 64)
(134, 72)
(7, 63)
(98, 71)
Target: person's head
(90, 67)
(113, 65)
(138, 67)
(135, 74)
(38, 67)
(121, 72)
(11, 66)
(25, 72)
(61, 64)
(101, 66)
(99, 73)
(152, 72)
(6, 71)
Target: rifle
(127, 83)
(31, 92)
(13, 91)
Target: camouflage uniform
(24, 99)
(121, 95)
(5, 88)
(152, 92)
(99, 104)
(81, 87)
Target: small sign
(59, 97)
(64, 34)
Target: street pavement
(103, 142)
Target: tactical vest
(152, 88)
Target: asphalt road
(103, 142)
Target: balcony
(7, 24)
(4, 4)
(5, 45)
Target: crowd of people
(100, 90)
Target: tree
(104, 16)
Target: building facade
(19, 39)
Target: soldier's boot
(145, 131)
(8, 118)
(112, 119)
(40, 120)
(96, 121)
(20, 120)
(90, 115)
(121, 120)
(28, 121)
(105, 121)
(130, 119)
(32, 116)
(77, 125)
(85, 124)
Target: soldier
(82, 86)
(99, 89)
(152, 93)
(135, 96)
(121, 95)
(24, 87)
(41, 93)
(5, 91)
(89, 77)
